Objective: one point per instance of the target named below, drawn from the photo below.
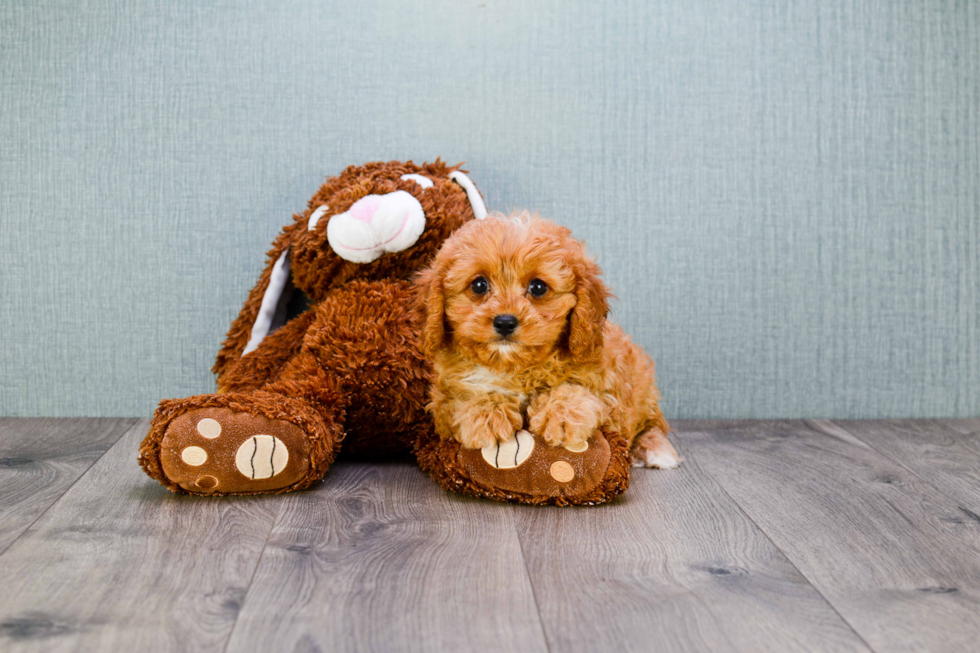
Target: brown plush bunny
(293, 384)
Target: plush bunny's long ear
(472, 194)
(266, 307)
(272, 305)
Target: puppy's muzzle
(505, 324)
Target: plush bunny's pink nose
(376, 225)
(365, 208)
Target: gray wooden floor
(772, 536)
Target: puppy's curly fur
(564, 371)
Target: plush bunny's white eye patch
(421, 180)
(316, 217)
(376, 225)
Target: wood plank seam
(674, 562)
(248, 590)
(185, 562)
(379, 558)
(134, 421)
(898, 461)
(843, 511)
(530, 580)
(792, 562)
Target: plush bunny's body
(295, 384)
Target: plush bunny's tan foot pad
(219, 450)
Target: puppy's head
(507, 292)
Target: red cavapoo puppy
(515, 326)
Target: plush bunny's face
(381, 220)
(372, 222)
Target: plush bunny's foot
(226, 446)
(217, 450)
(528, 470)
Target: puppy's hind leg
(652, 449)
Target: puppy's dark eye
(480, 286)
(537, 287)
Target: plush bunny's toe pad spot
(262, 456)
(211, 450)
(509, 454)
(194, 456)
(209, 428)
(562, 471)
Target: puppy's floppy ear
(264, 305)
(431, 304)
(588, 317)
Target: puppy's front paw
(557, 430)
(485, 423)
(567, 416)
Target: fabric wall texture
(784, 195)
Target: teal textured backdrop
(784, 195)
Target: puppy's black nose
(505, 324)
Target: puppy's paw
(567, 416)
(561, 433)
(653, 449)
(488, 422)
